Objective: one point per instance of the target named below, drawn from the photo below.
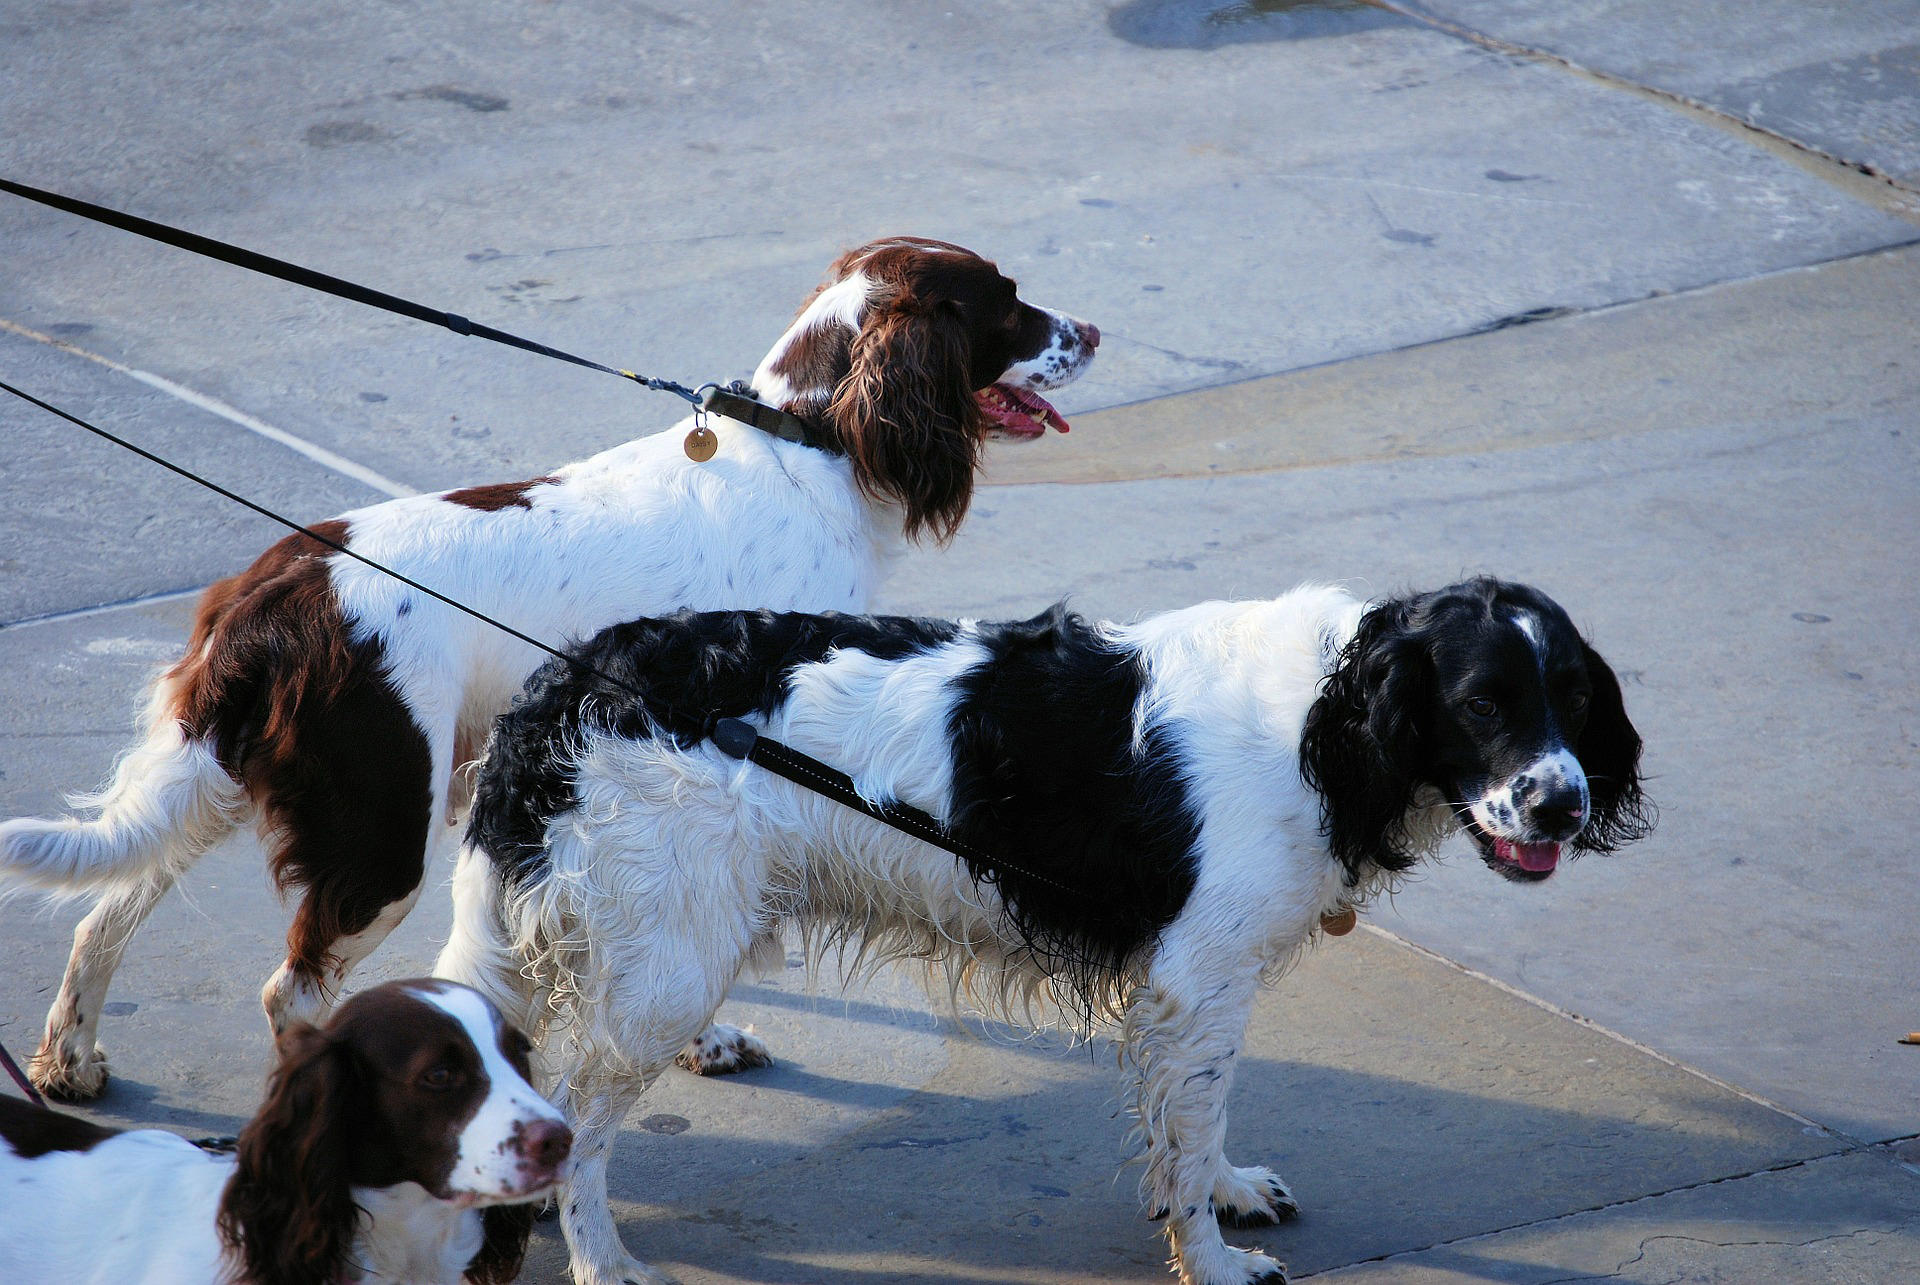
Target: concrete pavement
(1391, 294)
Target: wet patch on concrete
(1209, 24)
(467, 98)
(344, 133)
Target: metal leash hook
(701, 442)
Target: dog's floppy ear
(1361, 743)
(906, 415)
(505, 1231)
(287, 1214)
(1609, 753)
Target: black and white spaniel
(335, 706)
(1170, 808)
(400, 1143)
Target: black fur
(1389, 720)
(678, 675)
(1093, 843)
(1046, 778)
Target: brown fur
(938, 327)
(31, 1130)
(306, 720)
(495, 496)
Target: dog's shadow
(890, 1146)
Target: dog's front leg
(1183, 1034)
(586, 1219)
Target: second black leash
(254, 261)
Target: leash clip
(701, 442)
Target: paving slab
(1402, 1100)
(1841, 78)
(93, 523)
(590, 173)
(1852, 1219)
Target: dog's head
(1484, 695)
(907, 356)
(415, 1082)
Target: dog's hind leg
(69, 1066)
(724, 1049)
(351, 811)
(168, 802)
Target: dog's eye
(1577, 701)
(439, 1078)
(1483, 707)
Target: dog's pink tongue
(1017, 411)
(1534, 857)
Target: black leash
(736, 402)
(737, 739)
(254, 261)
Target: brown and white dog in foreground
(334, 706)
(400, 1143)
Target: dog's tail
(169, 801)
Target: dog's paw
(723, 1050)
(628, 1271)
(1252, 1197)
(66, 1077)
(1230, 1266)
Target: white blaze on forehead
(1524, 621)
(840, 304)
(487, 1163)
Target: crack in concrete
(1716, 1244)
(1784, 1166)
(1859, 179)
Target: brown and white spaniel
(334, 705)
(400, 1143)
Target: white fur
(677, 865)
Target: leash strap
(20, 1078)
(291, 525)
(254, 261)
(739, 740)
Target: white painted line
(61, 617)
(312, 450)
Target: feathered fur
(1168, 808)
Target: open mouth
(1015, 412)
(1524, 861)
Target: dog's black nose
(1559, 814)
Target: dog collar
(737, 402)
